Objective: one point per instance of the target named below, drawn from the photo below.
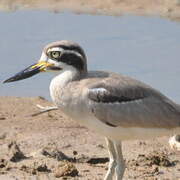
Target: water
(147, 48)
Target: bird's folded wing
(131, 105)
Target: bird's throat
(59, 82)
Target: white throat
(59, 82)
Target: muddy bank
(165, 8)
(51, 146)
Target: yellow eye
(55, 54)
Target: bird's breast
(66, 96)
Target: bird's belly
(121, 133)
(81, 114)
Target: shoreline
(163, 8)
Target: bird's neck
(60, 82)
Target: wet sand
(51, 146)
(165, 8)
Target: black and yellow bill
(29, 71)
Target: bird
(114, 105)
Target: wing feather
(129, 103)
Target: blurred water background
(147, 48)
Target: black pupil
(55, 54)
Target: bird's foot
(174, 142)
(116, 169)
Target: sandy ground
(165, 8)
(51, 146)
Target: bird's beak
(30, 71)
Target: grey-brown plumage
(124, 102)
(134, 104)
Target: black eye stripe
(73, 48)
(73, 59)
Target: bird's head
(57, 56)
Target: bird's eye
(55, 54)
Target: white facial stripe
(78, 54)
(43, 57)
(55, 49)
(53, 62)
(58, 64)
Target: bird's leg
(116, 163)
(112, 160)
(120, 164)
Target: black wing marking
(104, 96)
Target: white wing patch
(98, 90)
